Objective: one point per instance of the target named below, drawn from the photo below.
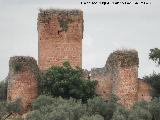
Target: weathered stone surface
(144, 91)
(60, 35)
(22, 80)
(120, 77)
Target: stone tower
(22, 80)
(60, 35)
(124, 68)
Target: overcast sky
(106, 28)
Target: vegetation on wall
(17, 67)
(63, 16)
(123, 58)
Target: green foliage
(154, 107)
(6, 108)
(93, 117)
(98, 106)
(120, 113)
(60, 109)
(3, 90)
(17, 67)
(140, 111)
(14, 107)
(154, 81)
(3, 109)
(155, 55)
(66, 82)
(42, 101)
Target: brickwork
(22, 80)
(60, 35)
(144, 91)
(120, 77)
(104, 82)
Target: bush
(154, 107)
(3, 110)
(140, 111)
(3, 90)
(42, 101)
(57, 109)
(93, 117)
(98, 106)
(66, 82)
(120, 113)
(14, 107)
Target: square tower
(60, 34)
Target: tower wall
(22, 80)
(124, 68)
(60, 35)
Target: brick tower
(124, 68)
(22, 80)
(60, 35)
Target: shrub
(66, 82)
(14, 107)
(93, 117)
(140, 111)
(154, 107)
(3, 110)
(98, 106)
(56, 109)
(120, 113)
(154, 81)
(3, 90)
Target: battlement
(123, 58)
(19, 64)
(46, 14)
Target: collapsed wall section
(104, 83)
(22, 80)
(60, 35)
(144, 91)
(123, 65)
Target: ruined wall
(22, 80)
(104, 83)
(124, 68)
(144, 91)
(60, 35)
(120, 77)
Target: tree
(140, 111)
(155, 55)
(67, 82)
(154, 107)
(154, 81)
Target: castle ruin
(120, 77)
(60, 34)
(22, 80)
